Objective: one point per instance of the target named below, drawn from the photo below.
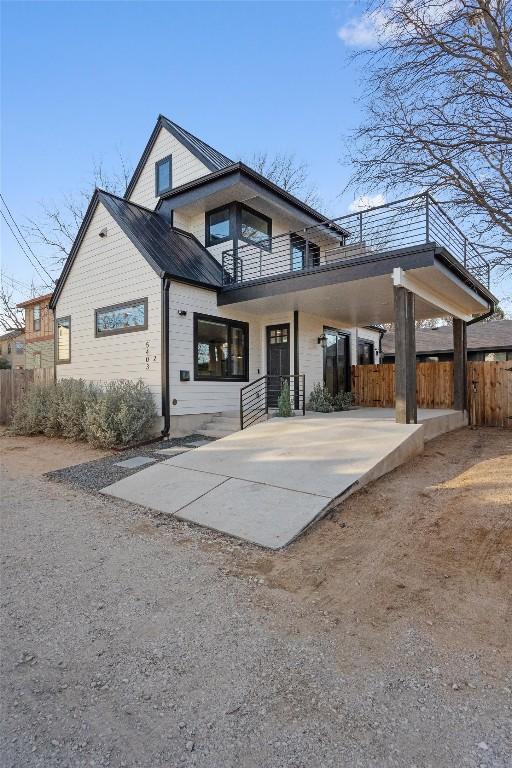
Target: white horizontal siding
(109, 271)
(185, 167)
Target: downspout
(166, 411)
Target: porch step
(221, 425)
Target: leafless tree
(58, 225)
(10, 316)
(288, 173)
(438, 99)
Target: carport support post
(460, 356)
(405, 357)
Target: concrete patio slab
(270, 482)
(166, 489)
(261, 514)
(134, 462)
(323, 454)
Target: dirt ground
(382, 637)
(431, 542)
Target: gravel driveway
(130, 640)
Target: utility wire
(24, 239)
(24, 251)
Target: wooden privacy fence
(489, 389)
(13, 384)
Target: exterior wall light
(322, 340)
(103, 232)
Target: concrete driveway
(267, 483)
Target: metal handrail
(408, 222)
(255, 396)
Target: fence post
(465, 250)
(360, 226)
(427, 218)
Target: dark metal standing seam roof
(169, 251)
(216, 158)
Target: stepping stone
(198, 443)
(134, 462)
(172, 451)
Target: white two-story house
(206, 277)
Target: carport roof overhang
(360, 290)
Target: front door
(337, 361)
(278, 359)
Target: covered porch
(393, 273)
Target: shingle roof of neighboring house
(170, 251)
(493, 335)
(34, 300)
(210, 157)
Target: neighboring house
(485, 341)
(12, 347)
(207, 276)
(39, 332)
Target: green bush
(74, 398)
(34, 411)
(284, 406)
(320, 399)
(122, 414)
(4, 364)
(118, 414)
(342, 401)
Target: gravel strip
(95, 475)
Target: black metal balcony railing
(405, 223)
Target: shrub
(4, 364)
(74, 398)
(320, 399)
(284, 406)
(122, 414)
(34, 411)
(342, 401)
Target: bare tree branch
(58, 225)
(438, 99)
(289, 174)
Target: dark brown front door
(278, 359)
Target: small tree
(284, 406)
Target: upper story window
(238, 221)
(218, 225)
(36, 317)
(255, 227)
(163, 175)
(122, 318)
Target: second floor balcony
(375, 233)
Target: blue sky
(83, 81)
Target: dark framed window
(303, 254)
(9, 348)
(221, 349)
(63, 339)
(36, 317)
(127, 317)
(365, 352)
(233, 221)
(163, 175)
(19, 346)
(219, 227)
(255, 227)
